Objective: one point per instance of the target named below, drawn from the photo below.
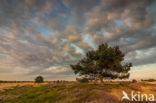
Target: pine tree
(105, 62)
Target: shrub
(82, 80)
(39, 79)
(124, 83)
(134, 81)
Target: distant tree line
(1, 81)
(148, 80)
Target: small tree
(39, 79)
(105, 62)
(82, 80)
(134, 81)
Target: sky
(43, 37)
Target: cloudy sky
(43, 37)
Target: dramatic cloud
(43, 37)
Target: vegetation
(149, 80)
(82, 80)
(73, 92)
(134, 81)
(39, 79)
(105, 62)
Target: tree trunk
(101, 78)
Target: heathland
(71, 92)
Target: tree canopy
(105, 62)
(39, 79)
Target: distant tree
(148, 80)
(39, 79)
(134, 81)
(105, 62)
(82, 80)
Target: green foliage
(105, 62)
(39, 79)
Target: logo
(137, 96)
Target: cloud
(142, 57)
(45, 37)
(124, 22)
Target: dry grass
(12, 85)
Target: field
(71, 92)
